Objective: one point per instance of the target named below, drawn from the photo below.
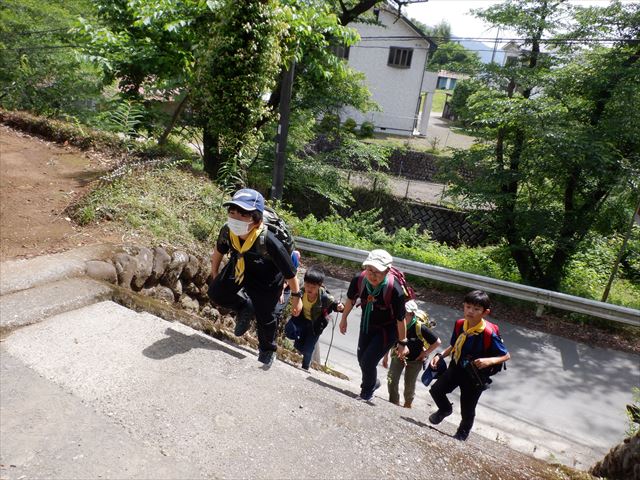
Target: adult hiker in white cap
(382, 323)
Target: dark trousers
(300, 330)
(224, 292)
(372, 346)
(453, 377)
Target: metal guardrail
(538, 296)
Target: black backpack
(274, 224)
(279, 228)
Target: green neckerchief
(372, 293)
(412, 322)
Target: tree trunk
(210, 156)
(174, 119)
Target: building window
(400, 57)
(511, 61)
(340, 51)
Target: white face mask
(238, 226)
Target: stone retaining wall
(173, 276)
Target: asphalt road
(557, 400)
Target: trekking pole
(333, 329)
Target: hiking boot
(366, 397)
(462, 434)
(267, 358)
(408, 404)
(439, 415)
(243, 320)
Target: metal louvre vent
(400, 57)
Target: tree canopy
(39, 69)
(454, 57)
(559, 131)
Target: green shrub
(350, 126)
(366, 129)
(353, 154)
(464, 89)
(330, 123)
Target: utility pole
(282, 132)
(495, 46)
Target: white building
(393, 56)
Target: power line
(47, 47)
(33, 32)
(504, 40)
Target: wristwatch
(297, 294)
(404, 342)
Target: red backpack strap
(489, 329)
(388, 290)
(459, 325)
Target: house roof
(393, 7)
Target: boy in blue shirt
(306, 327)
(475, 348)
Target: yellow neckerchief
(307, 305)
(466, 332)
(248, 243)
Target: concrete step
(33, 305)
(16, 275)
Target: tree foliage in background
(187, 48)
(235, 69)
(39, 69)
(454, 57)
(560, 133)
(439, 33)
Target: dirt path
(38, 180)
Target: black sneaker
(366, 397)
(267, 358)
(462, 434)
(243, 320)
(438, 416)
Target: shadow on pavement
(177, 343)
(348, 393)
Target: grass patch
(403, 142)
(169, 206)
(439, 98)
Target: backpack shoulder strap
(419, 325)
(458, 327)
(388, 290)
(360, 284)
(489, 329)
(262, 242)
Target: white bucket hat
(379, 259)
(411, 306)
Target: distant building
(512, 53)
(447, 80)
(393, 56)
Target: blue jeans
(300, 330)
(372, 346)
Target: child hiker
(305, 329)
(421, 341)
(477, 351)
